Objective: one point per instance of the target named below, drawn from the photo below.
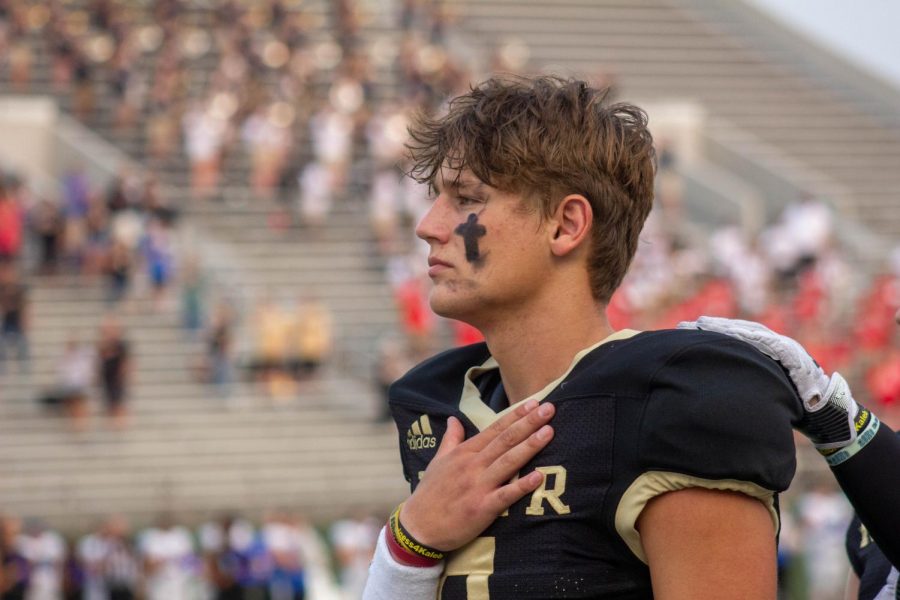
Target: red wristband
(404, 557)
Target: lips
(436, 265)
(436, 262)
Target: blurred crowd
(230, 558)
(794, 276)
(318, 112)
(284, 557)
(115, 236)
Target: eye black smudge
(470, 231)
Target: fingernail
(545, 410)
(530, 405)
(544, 433)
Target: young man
(661, 473)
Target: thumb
(454, 436)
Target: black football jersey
(877, 576)
(637, 415)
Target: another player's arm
(863, 454)
(465, 488)
(704, 543)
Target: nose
(433, 225)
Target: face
(488, 251)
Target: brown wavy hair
(545, 138)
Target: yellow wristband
(408, 542)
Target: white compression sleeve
(389, 580)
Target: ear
(570, 224)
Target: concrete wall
(42, 144)
(26, 137)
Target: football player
(660, 476)
(824, 398)
(871, 548)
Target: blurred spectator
(96, 243)
(354, 541)
(193, 294)
(267, 135)
(873, 326)
(167, 552)
(20, 60)
(393, 361)
(73, 575)
(111, 569)
(271, 329)
(15, 571)
(799, 237)
(220, 348)
(162, 130)
(248, 564)
(740, 259)
(331, 130)
(313, 337)
(45, 550)
(155, 205)
(204, 136)
(47, 224)
(128, 85)
(417, 318)
(224, 544)
(119, 266)
(824, 514)
(63, 59)
(83, 94)
(158, 252)
(75, 375)
(883, 382)
(76, 203)
(12, 220)
(316, 187)
(464, 334)
(122, 193)
(283, 539)
(384, 211)
(115, 368)
(669, 183)
(14, 313)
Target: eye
(466, 201)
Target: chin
(449, 305)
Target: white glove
(829, 407)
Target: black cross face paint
(470, 232)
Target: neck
(536, 347)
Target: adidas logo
(420, 436)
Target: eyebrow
(477, 186)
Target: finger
(687, 325)
(480, 441)
(512, 492)
(513, 460)
(517, 433)
(454, 436)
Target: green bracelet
(862, 440)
